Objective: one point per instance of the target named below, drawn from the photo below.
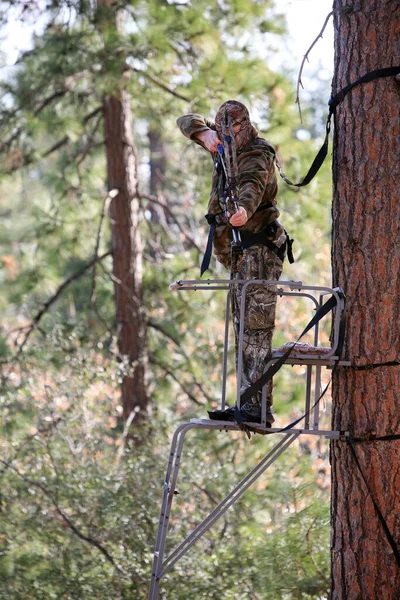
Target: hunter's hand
(210, 139)
(239, 218)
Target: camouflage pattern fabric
(257, 194)
(259, 262)
(257, 185)
(240, 116)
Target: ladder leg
(308, 397)
(227, 502)
(226, 347)
(167, 497)
(317, 395)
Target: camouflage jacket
(257, 185)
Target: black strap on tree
(333, 103)
(377, 438)
(390, 538)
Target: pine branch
(159, 83)
(66, 138)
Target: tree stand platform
(313, 357)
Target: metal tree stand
(318, 359)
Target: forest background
(80, 493)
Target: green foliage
(79, 500)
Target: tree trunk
(127, 251)
(366, 261)
(124, 218)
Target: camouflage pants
(259, 262)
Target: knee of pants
(260, 309)
(260, 317)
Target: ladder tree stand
(320, 357)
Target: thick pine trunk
(127, 252)
(366, 262)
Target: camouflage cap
(240, 116)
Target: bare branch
(92, 114)
(165, 206)
(168, 335)
(309, 552)
(56, 146)
(57, 94)
(49, 100)
(207, 493)
(305, 57)
(90, 143)
(182, 385)
(86, 538)
(167, 371)
(124, 436)
(55, 297)
(106, 204)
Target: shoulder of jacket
(263, 144)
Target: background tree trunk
(125, 236)
(127, 251)
(158, 167)
(366, 261)
(158, 159)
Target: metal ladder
(161, 566)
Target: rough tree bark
(366, 261)
(126, 243)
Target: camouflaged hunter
(264, 240)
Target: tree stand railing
(318, 358)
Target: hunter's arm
(192, 124)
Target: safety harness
(333, 104)
(248, 238)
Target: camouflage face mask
(243, 129)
